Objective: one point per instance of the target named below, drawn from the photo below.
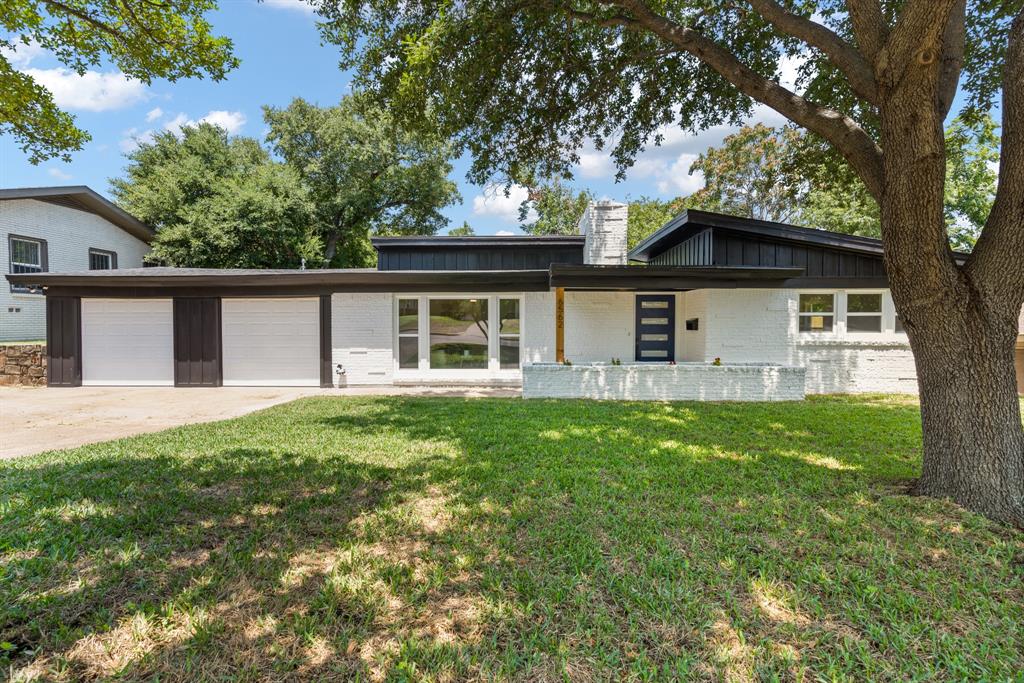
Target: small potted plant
(716, 361)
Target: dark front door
(655, 327)
(197, 342)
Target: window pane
(654, 321)
(509, 316)
(899, 325)
(99, 261)
(508, 352)
(653, 353)
(26, 253)
(408, 352)
(458, 333)
(864, 303)
(654, 337)
(864, 323)
(816, 323)
(816, 303)
(653, 304)
(408, 315)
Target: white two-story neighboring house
(59, 229)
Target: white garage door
(271, 342)
(127, 342)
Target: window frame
(880, 314)
(518, 336)
(44, 261)
(840, 325)
(834, 314)
(112, 255)
(399, 335)
(424, 372)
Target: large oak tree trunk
(973, 440)
(962, 332)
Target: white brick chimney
(604, 225)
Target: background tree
(365, 174)
(747, 175)
(646, 215)
(217, 202)
(153, 39)
(525, 83)
(464, 230)
(553, 208)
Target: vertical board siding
(197, 342)
(695, 251)
(326, 346)
(818, 261)
(471, 258)
(64, 341)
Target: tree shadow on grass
(411, 538)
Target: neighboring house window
(817, 312)
(408, 333)
(459, 334)
(864, 312)
(508, 334)
(101, 259)
(27, 255)
(899, 324)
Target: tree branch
(954, 40)
(869, 27)
(849, 139)
(995, 262)
(92, 21)
(916, 40)
(850, 62)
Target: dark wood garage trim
(64, 341)
(326, 346)
(198, 348)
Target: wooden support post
(559, 325)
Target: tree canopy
(553, 208)
(168, 39)
(364, 172)
(218, 202)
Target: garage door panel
(127, 342)
(271, 342)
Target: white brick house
(785, 310)
(59, 229)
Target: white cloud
(92, 91)
(678, 180)
(21, 54)
(595, 164)
(505, 233)
(296, 5)
(494, 202)
(154, 114)
(133, 137)
(58, 174)
(231, 121)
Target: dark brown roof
(83, 198)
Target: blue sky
(282, 58)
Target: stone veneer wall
(657, 382)
(23, 365)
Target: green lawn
(445, 539)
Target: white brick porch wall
(657, 382)
(361, 334)
(69, 234)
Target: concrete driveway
(33, 420)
